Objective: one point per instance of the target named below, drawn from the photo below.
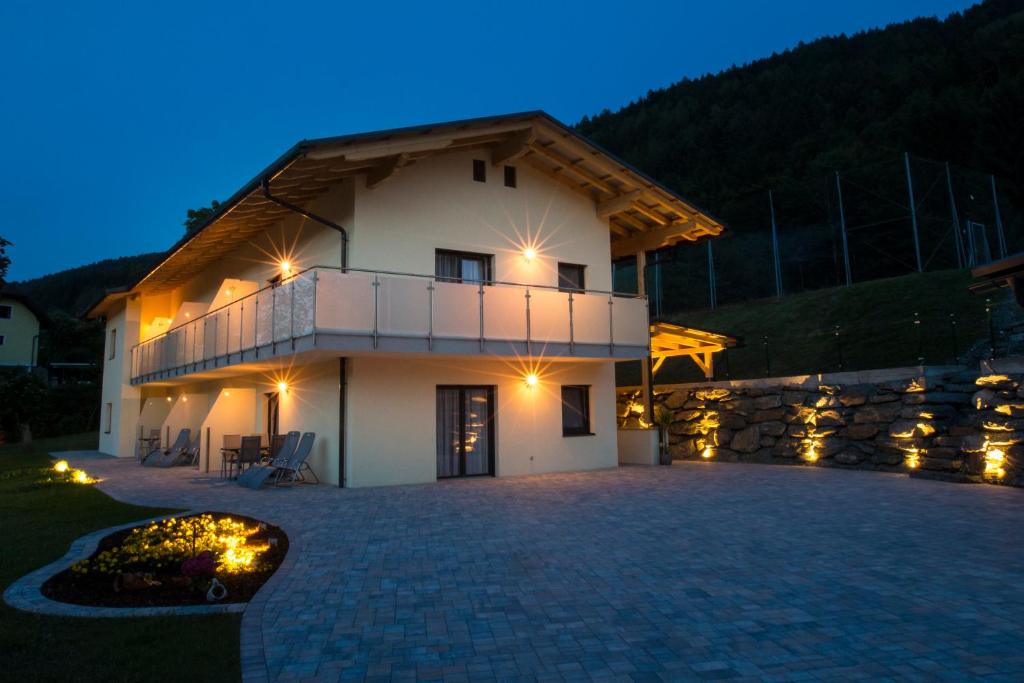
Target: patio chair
(148, 444)
(276, 444)
(249, 453)
(191, 454)
(293, 471)
(290, 441)
(229, 453)
(288, 460)
(169, 457)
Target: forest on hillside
(941, 90)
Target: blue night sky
(117, 117)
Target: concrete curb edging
(26, 593)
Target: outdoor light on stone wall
(912, 458)
(61, 466)
(707, 453)
(995, 458)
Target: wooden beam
(650, 213)
(513, 147)
(378, 174)
(632, 222)
(617, 204)
(618, 229)
(574, 168)
(655, 238)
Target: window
(112, 351)
(576, 411)
(479, 171)
(108, 418)
(510, 176)
(5, 312)
(3, 338)
(461, 266)
(570, 277)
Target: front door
(465, 431)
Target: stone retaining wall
(952, 425)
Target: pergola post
(646, 371)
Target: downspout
(311, 216)
(342, 389)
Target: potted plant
(663, 418)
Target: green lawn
(876, 328)
(37, 523)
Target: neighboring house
(431, 302)
(20, 320)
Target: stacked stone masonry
(957, 425)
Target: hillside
(71, 291)
(949, 90)
(876, 329)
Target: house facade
(19, 330)
(432, 302)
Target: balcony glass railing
(379, 306)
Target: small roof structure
(27, 302)
(643, 214)
(668, 340)
(1007, 272)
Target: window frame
(109, 419)
(511, 178)
(479, 171)
(3, 339)
(587, 428)
(487, 260)
(9, 309)
(112, 351)
(583, 277)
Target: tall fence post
(842, 231)
(712, 289)
(999, 219)
(913, 210)
(961, 257)
(775, 248)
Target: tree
(196, 218)
(5, 260)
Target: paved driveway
(697, 571)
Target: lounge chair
(191, 454)
(169, 457)
(262, 472)
(282, 470)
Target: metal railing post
(611, 325)
(376, 312)
(273, 320)
(291, 302)
(481, 297)
(256, 327)
(430, 315)
(572, 334)
(316, 287)
(529, 332)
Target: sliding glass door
(465, 431)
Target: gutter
(294, 208)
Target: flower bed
(198, 559)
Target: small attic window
(510, 176)
(479, 171)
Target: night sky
(116, 119)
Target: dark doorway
(465, 431)
(273, 411)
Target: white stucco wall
(122, 398)
(392, 416)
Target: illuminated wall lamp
(529, 253)
(531, 380)
(282, 387)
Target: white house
(431, 302)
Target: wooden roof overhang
(668, 340)
(642, 214)
(1007, 272)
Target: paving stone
(695, 571)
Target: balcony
(356, 312)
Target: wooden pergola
(669, 341)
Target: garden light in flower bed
(209, 557)
(65, 472)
